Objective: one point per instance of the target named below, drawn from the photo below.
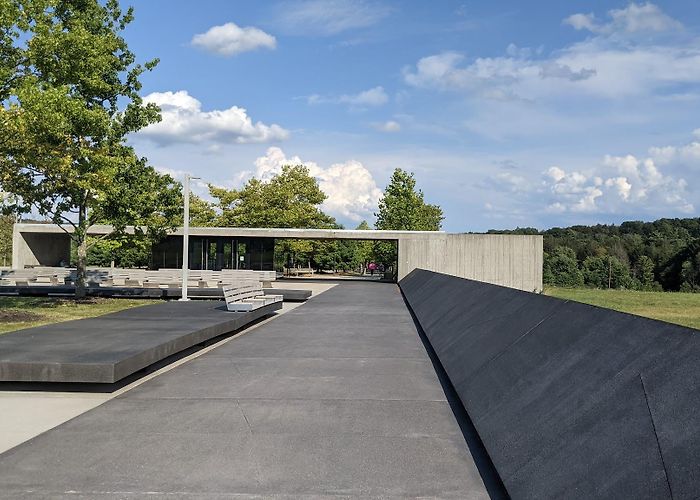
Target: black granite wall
(570, 400)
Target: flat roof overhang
(308, 234)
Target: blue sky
(509, 113)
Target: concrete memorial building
(510, 260)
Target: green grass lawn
(23, 312)
(674, 307)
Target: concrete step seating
(144, 278)
(246, 296)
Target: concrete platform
(337, 398)
(290, 295)
(108, 348)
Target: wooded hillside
(664, 254)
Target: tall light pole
(186, 236)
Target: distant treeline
(664, 254)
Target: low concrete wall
(570, 400)
(514, 261)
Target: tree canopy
(634, 254)
(404, 208)
(291, 199)
(70, 92)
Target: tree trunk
(81, 267)
(81, 241)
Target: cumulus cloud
(229, 39)
(372, 97)
(352, 191)
(328, 17)
(635, 18)
(607, 65)
(687, 154)
(618, 184)
(388, 126)
(183, 120)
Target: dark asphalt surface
(570, 400)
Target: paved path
(335, 398)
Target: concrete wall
(514, 261)
(34, 249)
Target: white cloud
(622, 185)
(329, 17)
(635, 18)
(618, 184)
(510, 182)
(496, 78)
(352, 191)
(372, 97)
(686, 154)
(388, 126)
(607, 65)
(184, 121)
(582, 21)
(230, 39)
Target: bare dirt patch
(17, 316)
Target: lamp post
(186, 237)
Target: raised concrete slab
(289, 295)
(108, 348)
(323, 420)
(570, 400)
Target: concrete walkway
(336, 398)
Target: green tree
(561, 268)
(606, 272)
(363, 250)
(202, 213)
(690, 274)
(70, 89)
(124, 250)
(404, 208)
(645, 272)
(291, 199)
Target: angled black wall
(570, 400)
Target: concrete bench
(247, 296)
(298, 271)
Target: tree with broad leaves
(69, 87)
(403, 208)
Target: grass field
(23, 312)
(674, 307)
